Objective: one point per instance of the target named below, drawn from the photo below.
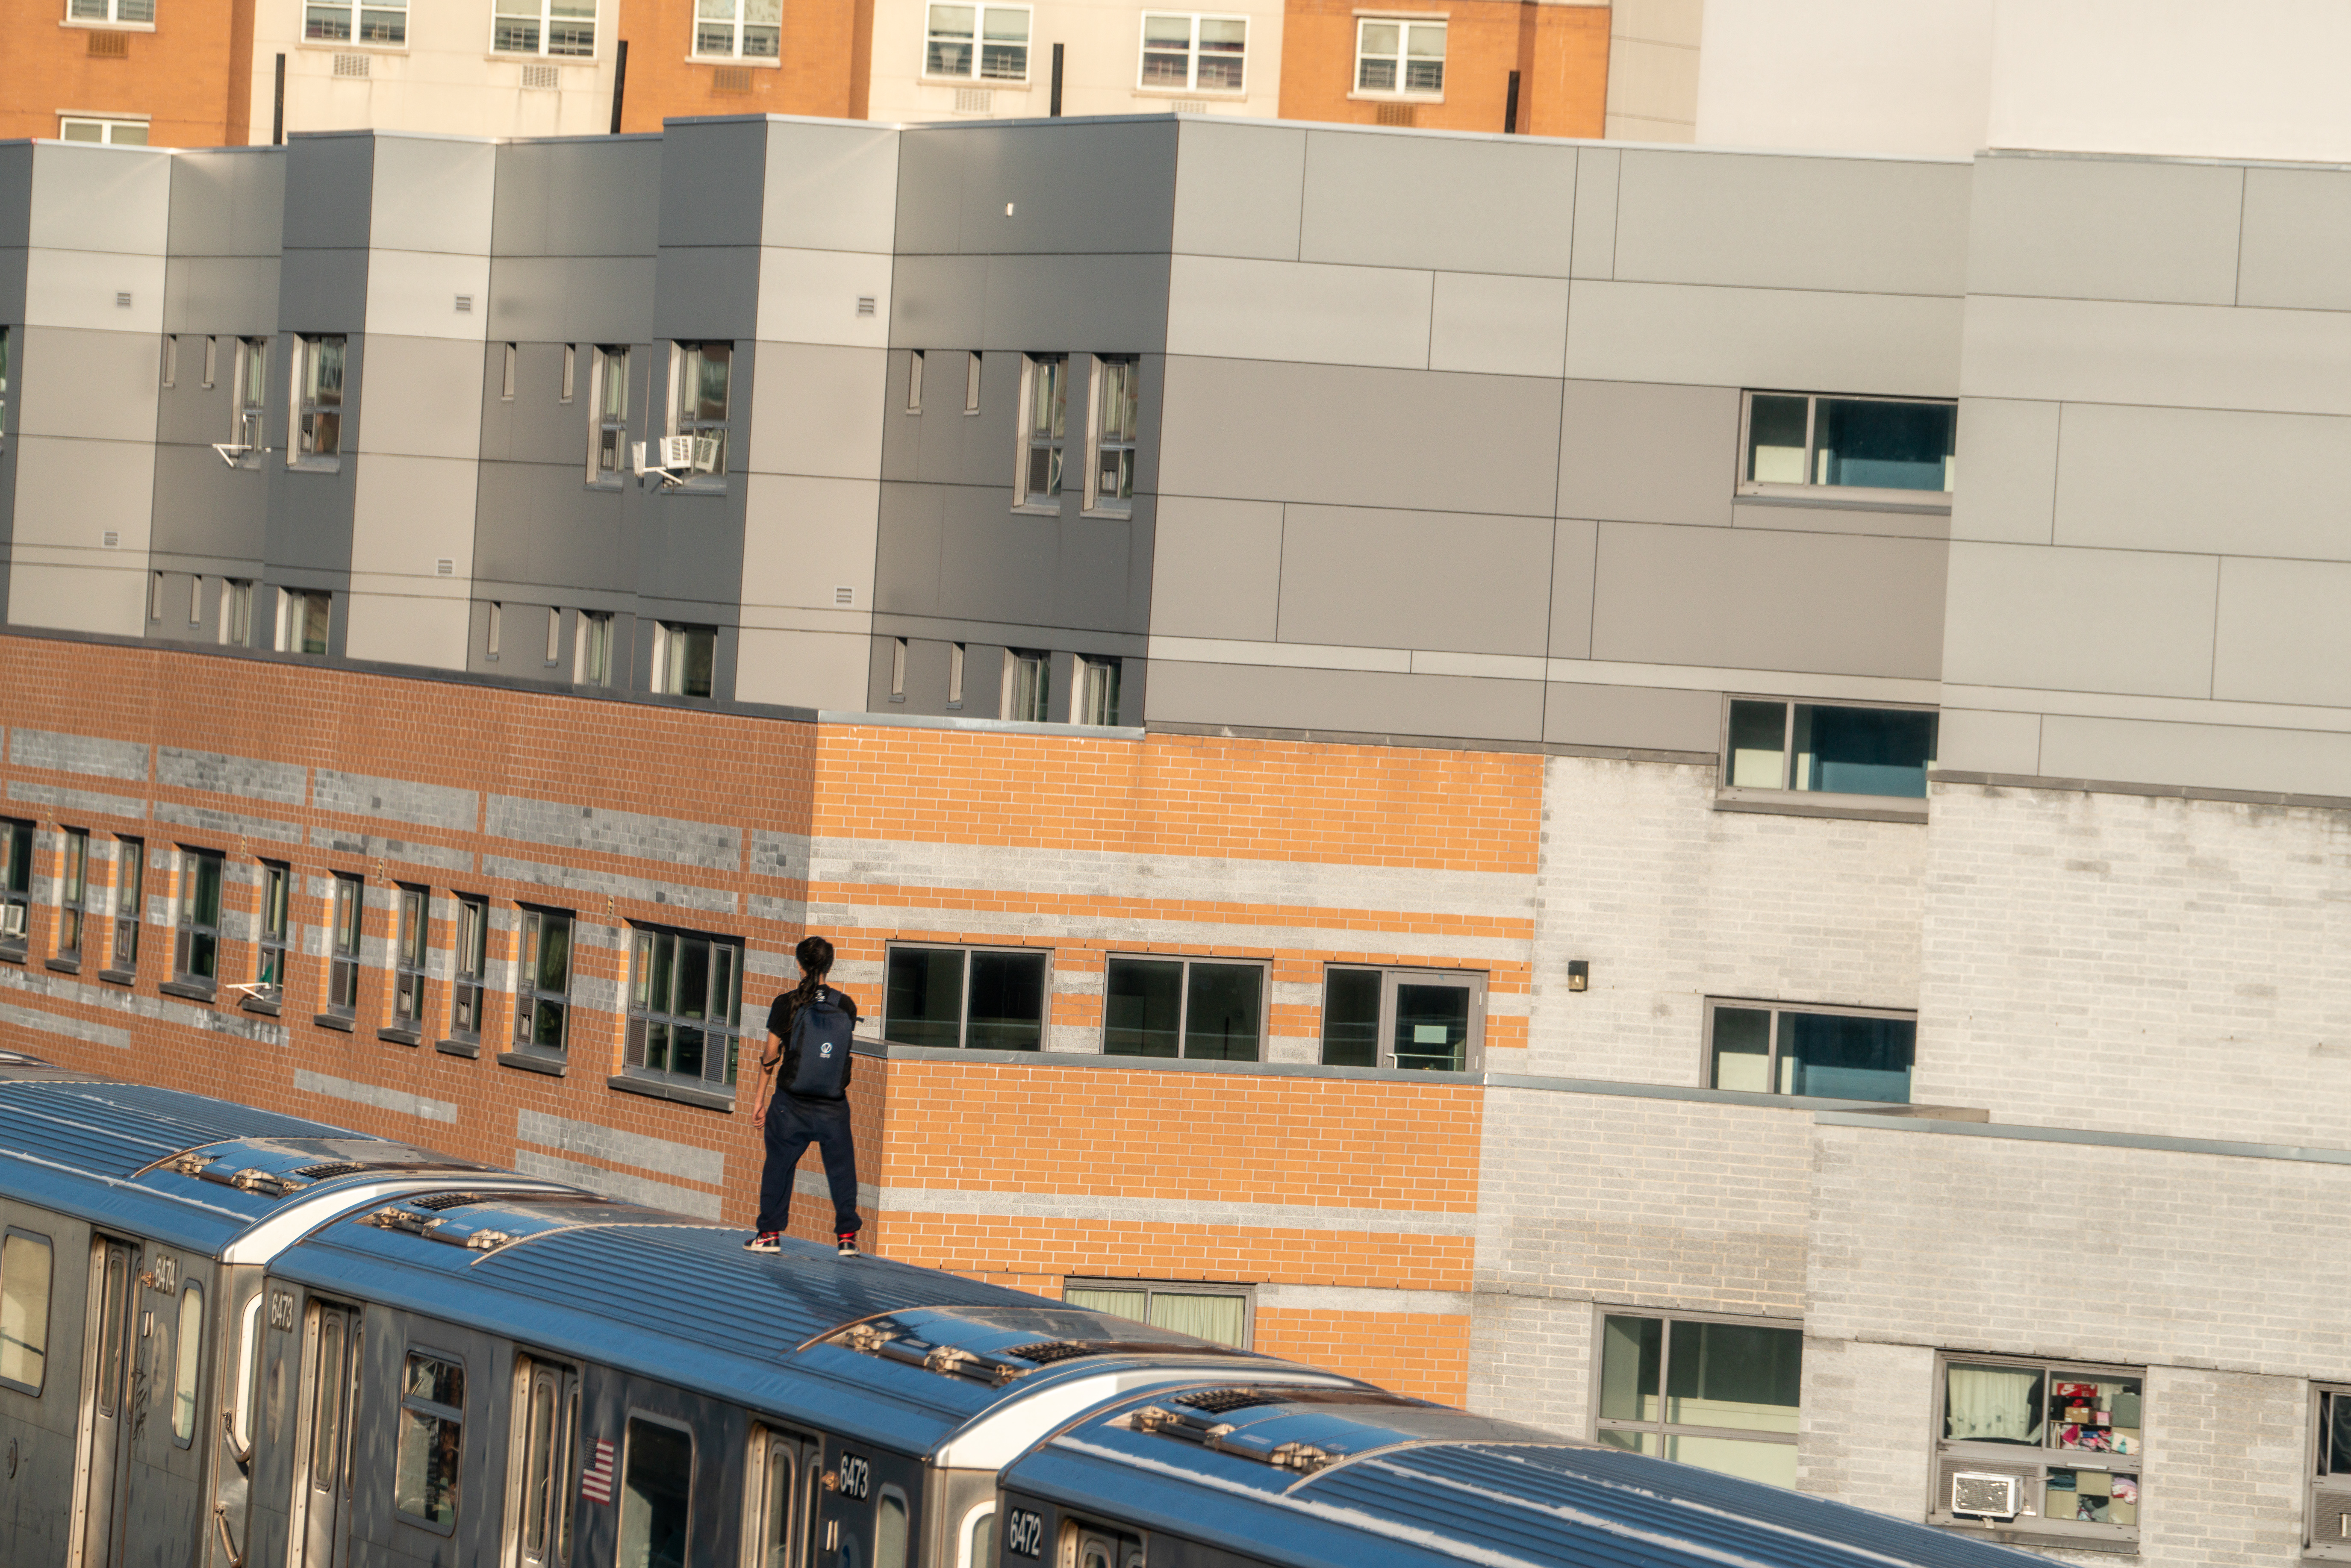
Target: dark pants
(792, 1125)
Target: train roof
(1349, 1477)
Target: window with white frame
(608, 415)
(978, 999)
(565, 28)
(468, 964)
(195, 959)
(269, 967)
(1218, 1312)
(976, 43)
(73, 894)
(685, 659)
(1029, 685)
(2050, 1449)
(412, 918)
(1852, 448)
(1828, 1053)
(236, 612)
(543, 981)
(1399, 56)
(701, 392)
(16, 887)
(2328, 1529)
(319, 400)
(382, 23)
(1773, 747)
(1431, 1020)
(247, 430)
(738, 29)
(131, 11)
(130, 891)
(686, 1007)
(108, 132)
(593, 655)
(1044, 428)
(1702, 1391)
(345, 910)
(1185, 53)
(304, 616)
(1097, 690)
(1211, 1008)
(1109, 476)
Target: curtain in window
(1218, 1318)
(1992, 1405)
(1125, 1303)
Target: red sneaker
(846, 1243)
(766, 1241)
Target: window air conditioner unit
(1986, 1495)
(706, 454)
(12, 922)
(677, 451)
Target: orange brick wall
(1560, 53)
(820, 70)
(179, 74)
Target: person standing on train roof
(809, 1029)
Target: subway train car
(243, 1340)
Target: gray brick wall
(1866, 1434)
(77, 754)
(397, 801)
(245, 777)
(1531, 1359)
(60, 799)
(226, 824)
(706, 845)
(564, 883)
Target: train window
(110, 1354)
(772, 1536)
(549, 1395)
(432, 1429)
(979, 1538)
(188, 1366)
(656, 1492)
(890, 1529)
(249, 1354)
(539, 1470)
(25, 1267)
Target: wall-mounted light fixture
(1579, 975)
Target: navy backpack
(819, 1047)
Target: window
(554, 635)
(247, 433)
(686, 1006)
(383, 23)
(704, 372)
(1203, 1310)
(432, 1434)
(2329, 1531)
(971, 363)
(1811, 748)
(73, 892)
(1213, 1009)
(750, 29)
(544, 28)
(493, 628)
(170, 359)
(1797, 444)
(546, 1462)
(914, 381)
(1720, 1395)
(897, 669)
(1110, 478)
(773, 1471)
(543, 982)
(1045, 398)
(16, 886)
(319, 411)
(976, 998)
(212, 360)
(1097, 690)
(343, 945)
(507, 374)
(7, 340)
(570, 371)
(1836, 1053)
(1399, 56)
(954, 675)
(1001, 31)
(2045, 1446)
(195, 959)
(978, 1543)
(469, 961)
(269, 969)
(683, 658)
(197, 600)
(112, 133)
(415, 910)
(1193, 54)
(1430, 1020)
(608, 427)
(111, 10)
(130, 890)
(187, 1367)
(593, 657)
(1029, 687)
(303, 617)
(657, 1496)
(25, 1267)
(889, 1529)
(236, 612)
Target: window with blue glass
(1827, 1053)
(1852, 448)
(1828, 749)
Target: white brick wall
(1865, 1431)
(1532, 1360)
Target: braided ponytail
(815, 955)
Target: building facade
(1485, 800)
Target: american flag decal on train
(596, 1480)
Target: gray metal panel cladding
(330, 190)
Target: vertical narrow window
(493, 629)
(1110, 478)
(170, 358)
(1029, 687)
(897, 669)
(971, 363)
(1097, 690)
(657, 1496)
(432, 1439)
(685, 660)
(16, 886)
(954, 675)
(890, 1529)
(914, 381)
(212, 360)
(595, 650)
(304, 618)
(571, 367)
(155, 596)
(1183, 1007)
(73, 894)
(703, 395)
(249, 429)
(468, 963)
(543, 982)
(236, 612)
(319, 416)
(188, 1365)
(507, 374)
(1044, 425)
(2330, 1513)
(197, 600)
(554, 635)
(7, 343)
(686, 1001)
(408, 959)
(26, 1264)
(196, 954)
(269, 968)
(350, 901)
(608, 430)
(130, 891)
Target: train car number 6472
(1024, 1533)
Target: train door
(106, 1402)
(330, 1383)
(538, 1532)
(1090, 1546)
(780, 1472)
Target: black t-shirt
(779, 1024)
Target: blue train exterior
(243, 1340)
